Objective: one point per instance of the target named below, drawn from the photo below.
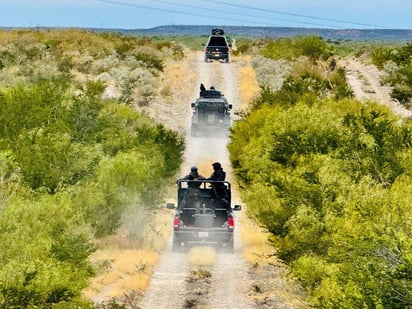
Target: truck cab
(211, 114)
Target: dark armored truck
(203, 218)
(211, 114)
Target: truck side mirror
(230, 107)
(193, 105)
(170, 206)
(237, 208)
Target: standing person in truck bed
(219, 189)
(192, 191)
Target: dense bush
(270, 73)
(296, 68)
(327, 180)
(80, 163)
(45, 247)
(313, 47)
(72, 163)
(131, 63)
(330, 180)
(399, 78)
(310, 85)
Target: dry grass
(176, 73)
(129, 270)
(273, 284)
(130, 264)
(202, 256)
(256, 248)
(199, 274)
(174, 85)
(249, 87)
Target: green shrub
(400, 77)
(402, 84)
(380, 56)
(313, 47)
(151, 61)
(44, 253)
(72, 164)
(328, 181)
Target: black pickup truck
(206, 219)
(217, 46)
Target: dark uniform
(192, 191)
(219, 189)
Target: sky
(143, 14)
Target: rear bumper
(217, 55)
(206, 126)
(198, 236)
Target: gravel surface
(367, 84)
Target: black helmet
(193, 169)
(216, 166)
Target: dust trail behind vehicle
(228, 272)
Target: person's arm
(212, 177)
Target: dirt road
(203, 278)
(224, 283)
(367, 84)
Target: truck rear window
(217, 41)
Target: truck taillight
(176, 222)
(231, 222)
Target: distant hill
(273, 32)
(404, 35)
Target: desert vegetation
(75, 158)
(397, 63)
(328, 177)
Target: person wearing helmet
(218, 173)
(193, 175)
(192, 191)
(218, 187)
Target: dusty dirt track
(204, 278)
(366, 82)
